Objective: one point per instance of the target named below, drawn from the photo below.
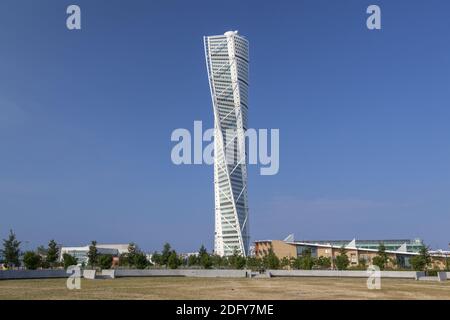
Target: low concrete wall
(442, 276)
(147, 273)
(109, 273)
(419, 274)
(201, 273)
(32, 274)
(429, 278)
(399, 274)
(339, 274)
(89, 274)
(216, 273)
(317, 273)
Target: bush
(271, 261)
(254, 264)
(237, 261)
(218, 261)
(140, 260)
(379, 262)
(173, 262)
(381, 259)
(205, 261)
(308, 262)
(421, 261)
(192, 260)
(32, 260)
(342, 261)
(305, 262)
(69, 260)
(46, 265)
(105, 261)
(285, 262)
(323, 262)
(432, 273)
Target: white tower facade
(227, 61)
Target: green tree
(206, 261)
(271, 261)
(131, 255)
(342, 261)
(140, 260)
(323, 262)
(297, 263)
(123, 260)
(157, 258)
(381, 259)
(136, 258)
(69, 260)
(173, 262)
(218, 261)
(165, 254)
(193, 260)
(254, 263)
(379, 262)
(237, 261)
(11, 250)
(204, 258)
(32, 260)
(307, 260)
(52, 253)
(202, 251)
(105, 261)
(93, 254)
(285, 262)
(422, 260)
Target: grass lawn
(223, 288)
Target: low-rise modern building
(390, 244)
(81, 253)
(357, 250)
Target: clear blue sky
(86, 118)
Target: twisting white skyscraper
(227, 63)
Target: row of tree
(47, 257)
(44, 257)
(168, 258)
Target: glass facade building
(413, 245)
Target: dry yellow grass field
(222, 288)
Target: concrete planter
(108, 274)
(89, 274)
